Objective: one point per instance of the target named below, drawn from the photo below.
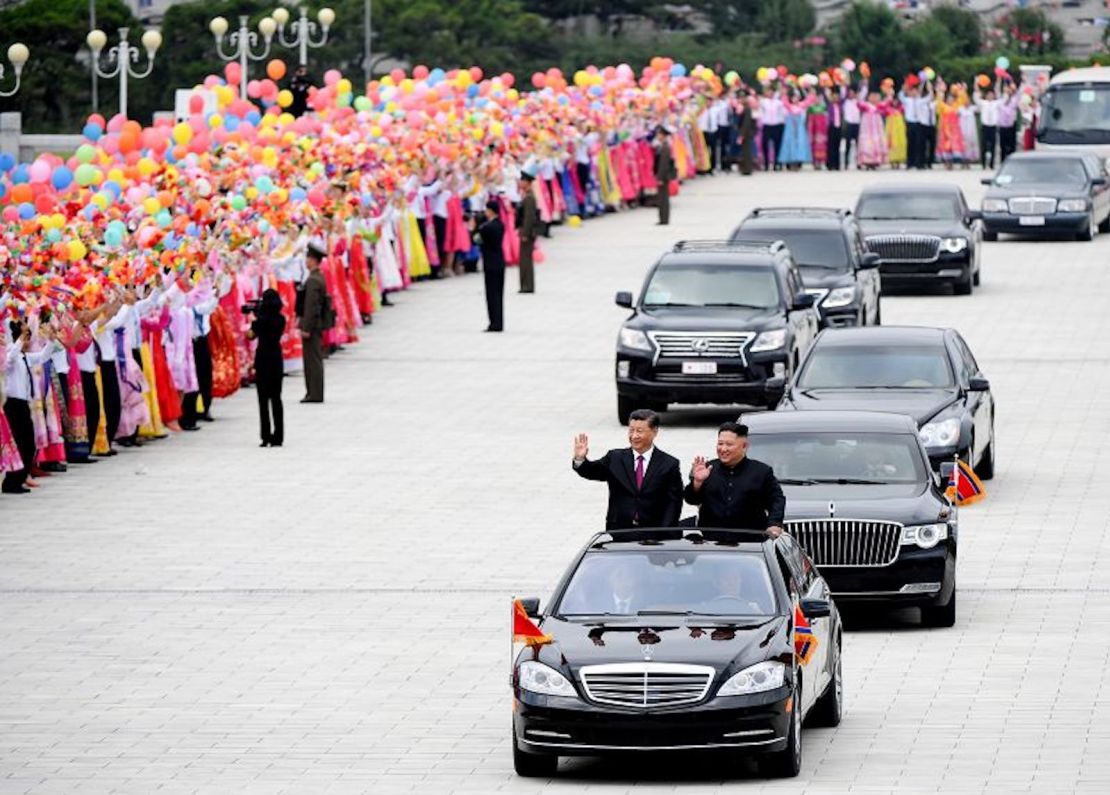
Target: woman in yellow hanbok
(896, 134)
(416, 256)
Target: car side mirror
(974, 215)
(946, 470)
(870, 260)
(624, 298)
(978, 383)
(816, 608)
(987, 180)
(804, 300)
(1098, 181)
(531, 607)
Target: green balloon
(363, 103)
(85, 174)
(85, 153)
(238, 202)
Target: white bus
(1075, 112)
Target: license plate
(1031, 220)
(699, 368)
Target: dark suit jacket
(657, 504)
(747, 496)
(315, 288)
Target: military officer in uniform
(664, 173)
(312, 327)
(529, 230)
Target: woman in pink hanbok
(872, 131)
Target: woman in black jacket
(267, 327)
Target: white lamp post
(124, 55)
(18, 55)
(305, 30)
(243, 41)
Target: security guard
(735, 491)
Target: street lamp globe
(281, 16)
(218, 26)
(326, 17)
(267, 26)
(96, 40)
(152, 40)
(18, 55)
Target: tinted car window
(707, 285)
(908, 367)
(823, 248)
(707, 583)
(1067, 171)
(830, 457)
(1075, 115)
(897, 206)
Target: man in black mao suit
(645, 484)
(734, 491)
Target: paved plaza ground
(204, 615)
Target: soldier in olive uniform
(312, 327)
(529, 230)
(664, 173)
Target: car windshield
(865, 367)
(821, 248)
(908, 206)
(1075, 114)
(660, 582)
(712, 285)
(808, 458)
(1059, 170)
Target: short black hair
(739, 428)
(646, 415)
(315, 253)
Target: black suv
(923, 234)
(717, 322)
(835, 264)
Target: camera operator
(267, 327)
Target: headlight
(635, 339)
(925, 536)
(954, 245)
(1072, 205)
(769, 341)
(994, 205)
(535, 677)
(754, 679)
(944, 433)
(841, 296)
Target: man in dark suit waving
(645, 484)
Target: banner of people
(127, 265)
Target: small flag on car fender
(964, 486)
(525, 630)
(805, 642)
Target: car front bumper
(645, 380)
(901, 583)
(571, 727)
(841, 316)
(947, 267)
(1053, 224)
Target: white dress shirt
(17, 368)
(772, 111)
(988, 111)
(851, 111)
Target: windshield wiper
(668, 303)
(851, 481)
(737, 305)
(825, 265)
(665, 612)
(798, 481)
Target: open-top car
(678, 640)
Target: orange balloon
(275, 69)
(22, 193)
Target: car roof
(752, 257)
(675, 538)
(829, 422)
(780, 220)
(1093, 74)
(1061, 154)
(883, 335)
(911, 187)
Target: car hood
(921, 404)
(826, 278)
(707, 319)
(911, 503)
(721, 643)
(1053, 189)
(947, 228)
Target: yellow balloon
(574, 221)
(100, 200)
(151, 205)
(58, 220)
(147, 166)
(512, 94)
(386, 80)
(116, 176)
(344, 86)
(251, 192)
(215, 120)
(285, 98)
(76, 250)
(376, 131)
(182, 133)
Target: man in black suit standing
(735, 491)
(490, 236)
(645, 484)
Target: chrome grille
(905, 248)
(712, 345)
(847, 542)
(1032, 205)
(646, 685)
(716, 379)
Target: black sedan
(678, 640)
(923, 234)
(927, 373)
(1048, 193)
(862, 501)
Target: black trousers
(314, 366)
(772, 136)
(92, 405)
(712, 141)
(913, 144)
(495, 295)
(18, 413)
(851, 138)
(583, 179)
(110, 382)
(1007, 141)
(834, 149)
(202, 355)
(440, 225)
(987, 144)
(271, 414)
(928, 145)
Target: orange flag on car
(964, 486)
(525, 630)
(805, 642)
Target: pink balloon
(98, 120)
(11, 214)
(196, 103)
(420, 71)
(40, 171)
(109, 143)
(211, 81)
(332, 76)
(316, 197)
(233, 73)
(254, 90)
(415, 119)
(115, 124)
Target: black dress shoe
(83, 461)
(492, 329)
(206, 418)
(275, 444)
(15, 490)
(190, 428)
(264, 444)
(309, 400)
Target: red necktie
(639, 471)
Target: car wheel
(625, 407)
(827, 710)
(1089, 232)
(990, 237)
(878, 311)
(1104, 226)
(787, 763)
(978, 277)
(943, 616)
(533, 765)
(985, 470)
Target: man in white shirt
(988, 118)
(851, 125)
(18, 386)
(911, 109)
(772, 113)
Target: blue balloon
(26, 211)
(3, 190)
(472, 90)
(6, 161)
(92, 131)
(21, 174)
(231, 123)
(254, 117)
(112, 237)
(62, 178)
(298, 194)
(678, 70)
(436, 76)
(113, 187)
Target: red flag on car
(964, 486)
(805, 642)
(524, 629)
